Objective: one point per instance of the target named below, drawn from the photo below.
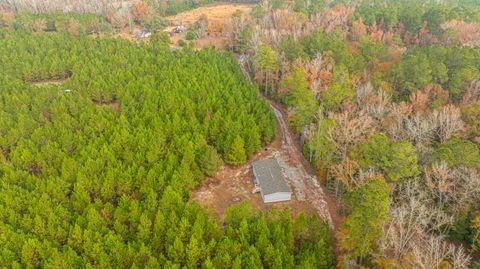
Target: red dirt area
(232, 185)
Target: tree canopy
(97, 167)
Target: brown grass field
(217, 14)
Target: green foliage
(458, 152)
(414, 72)
(210, 161)
(320, 41)
(60, 22)
(397, 160)
(335, 94)
(309, 7)
(267, 58)
(414, 14)
(96, 171)
(190, 36)
(245, 38)
(268, 64)
(182, 43)
(275, 240)
(236, 152)
(160, 38)
(369, 207)
(471, 116)
(257, 12)
(154, 22)
(291, 49)
(373, 51)
(300, 6)
(452, 67)
(323, 148)
(301, 99)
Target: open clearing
(232, 185)
(48, 82)
(216, 14)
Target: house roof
(270, 176)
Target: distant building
(178, 29)
(137, 33)
(271, 182)
(146, 34)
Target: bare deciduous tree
(393, 122)
(408, 239)
(42, 6)
(453, 189)
(352, 127)
(234, 28)
(376, 103)
(435, 252)
(446, 122)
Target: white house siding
(277, 197)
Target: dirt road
(302, 177)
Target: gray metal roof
(270, 176)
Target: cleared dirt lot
(232, 185)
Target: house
(271, 182)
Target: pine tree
(210, 161)
(267, 62)
(236, 154)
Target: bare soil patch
(48, 82)
(217, 14)
(114, 105)
(232, 185)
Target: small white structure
(146, 34)
(272, 183)
(178, 29)
(137, 33)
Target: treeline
(96, 171)
(74, 23)
(118, 13)
(413, 15)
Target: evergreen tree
(236, 154)
(369, 206)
